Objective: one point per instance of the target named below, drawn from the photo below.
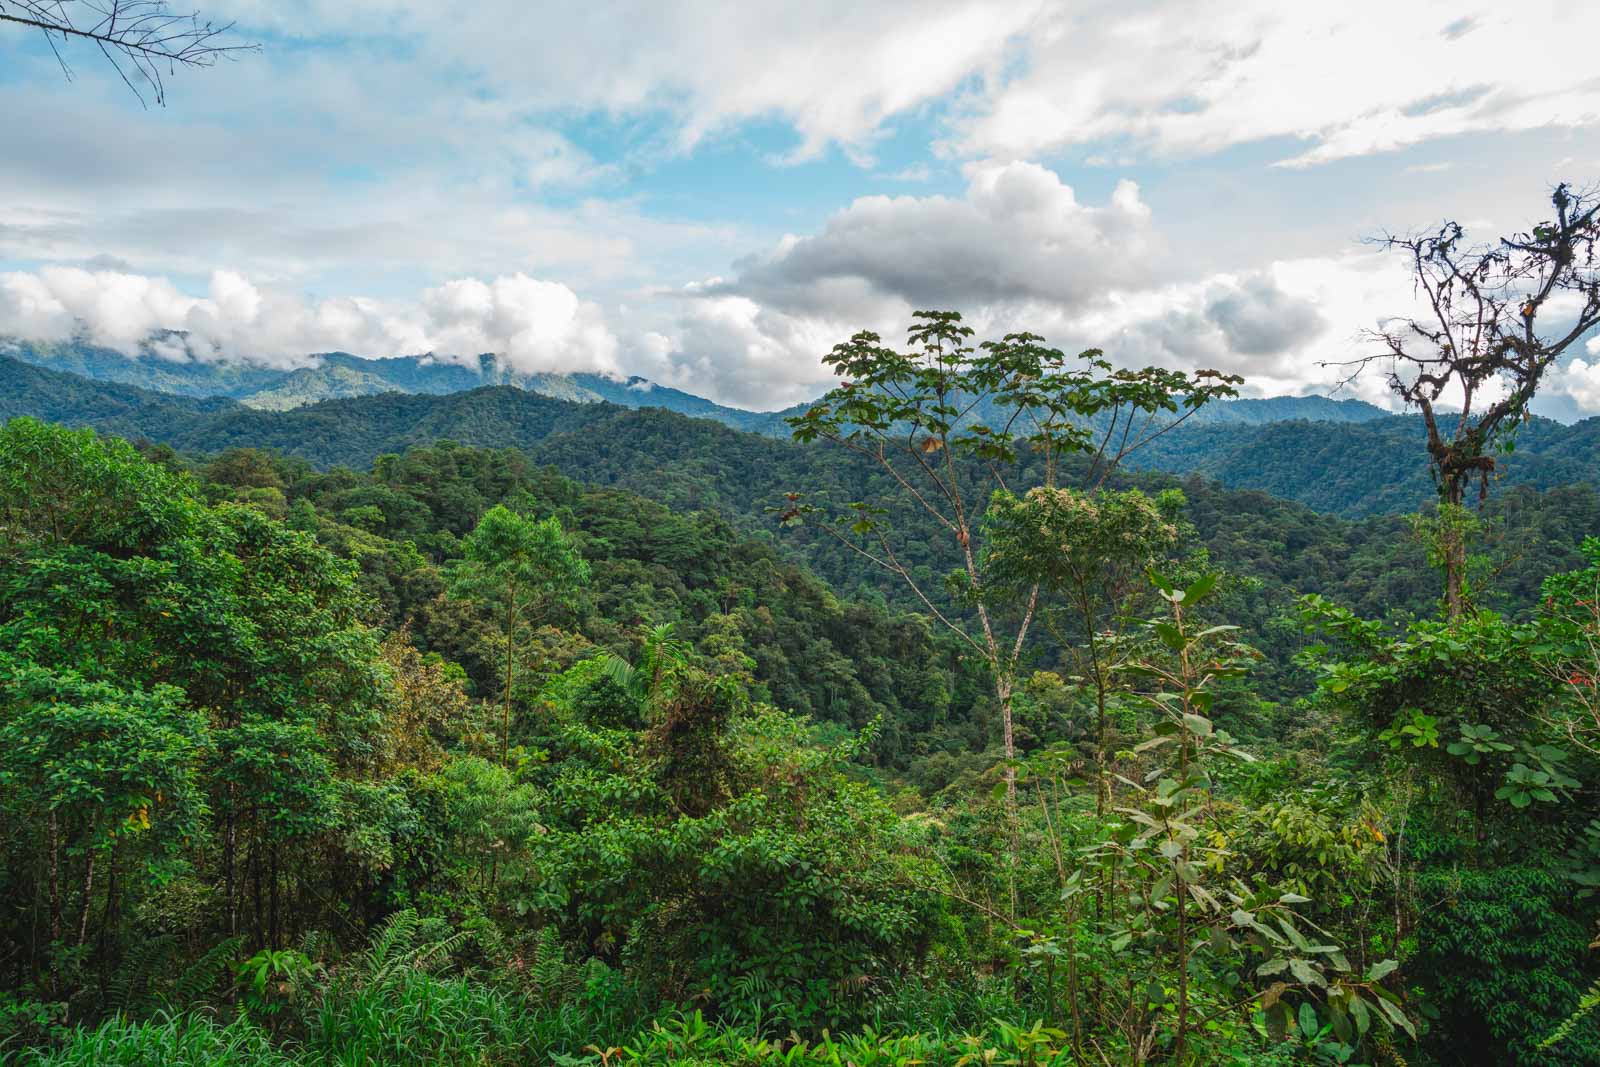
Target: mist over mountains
(339, 375)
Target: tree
(522, 568)
(140, 38)
(1087, 553)
(948, 422)
(1497, 318)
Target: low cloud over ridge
(535, 325)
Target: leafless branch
(144, 40)
(1497, 318)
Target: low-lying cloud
(535, 325)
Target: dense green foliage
(456, 759)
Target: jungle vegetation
(926, 739)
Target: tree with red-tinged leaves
(1495, 319)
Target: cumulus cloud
(1019, 251)
(1019, 233)
(738, 351)
(1579, 381)
(1259, 319)
(1348, 79)
(534, 325)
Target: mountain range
(339, 375)
(1354, 464)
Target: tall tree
(522, 567)
(1497, 317)
(948, 422)
(1087, 555)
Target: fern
(200, 977)
(1586, 1004)
(128, 987)
(406, 942)
(554, 980)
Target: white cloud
(834, 71)
(735, 350)
(535, 325)
(1020, 252)
(1579, 381)
(1031, 76)
(1182, 78)
(1019, 233)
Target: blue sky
(713, 195)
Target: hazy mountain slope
(1362, 468)
(339, 375)
(150, 372)
(356, 431)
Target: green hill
(692, 464)
(1372, 467)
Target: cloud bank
(535, 325)
(1184, 78)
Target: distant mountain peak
(341, 375)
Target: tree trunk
(255, 886)
(1452, 544)
(88, 897)
(55, 877)
(273, 939)
(1003, 692)
(1454, 604)
(230, 862)
(511, 659)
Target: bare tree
(1497, 318)
(144, 40)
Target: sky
(713, 195)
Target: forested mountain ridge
(694, 464)
(1371, 467)
(26, 389)
(1358, 467)
(339, 375)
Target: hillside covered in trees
(1267, 445)
(486, 727)
(985, 533)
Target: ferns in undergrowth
(130, 985)
(405, 942)
(1586, 1005)
(199, 981)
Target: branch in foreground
(144, 40)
